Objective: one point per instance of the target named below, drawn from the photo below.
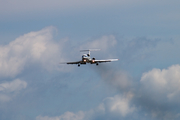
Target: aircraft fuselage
(87, 59)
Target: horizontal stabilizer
(89, 50)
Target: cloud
(116, 107)
(65, 116)
(32, 48)
(119, 104)
(156, 97)
(10, 89)
(15, 85)
(159, 92)
(163, 83)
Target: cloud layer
(8, 90)
(155, 95)
(32, 48)
(112, 107)
(155, 98)
(165, 83)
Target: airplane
(87, 59)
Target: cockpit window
(84, 56)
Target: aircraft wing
(74, 62)
(71, 62)
(108, 60)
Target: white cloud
(34, 47)
(118, 105)
(40, 48)
(10, 89)
(164, 84)
(15, 85)
(65, 116)
(160, 92)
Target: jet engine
(93, 60)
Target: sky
(36, 35)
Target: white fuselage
(86, 58)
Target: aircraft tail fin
(89, 50)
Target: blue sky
(36, 35)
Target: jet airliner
(87, 59)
